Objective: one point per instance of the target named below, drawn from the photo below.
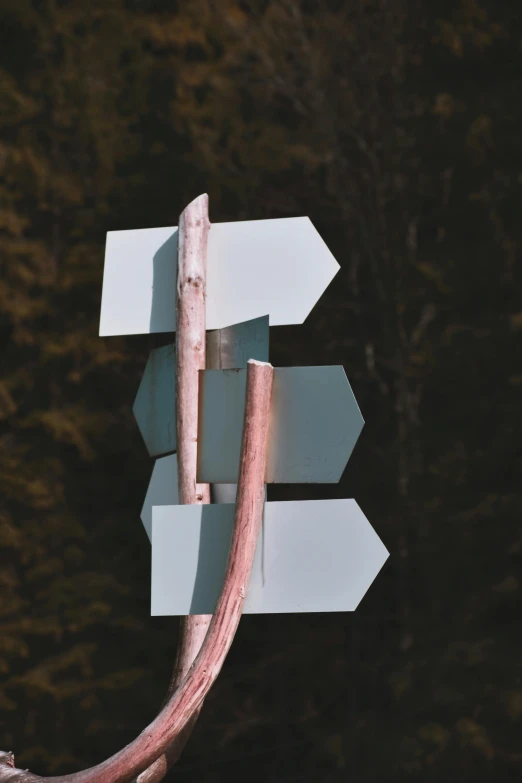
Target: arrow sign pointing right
(312, 556)
(315, 423)
(254, 268)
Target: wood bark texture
(218, 356)
(193, 231)
(193, 228)
(182, 704)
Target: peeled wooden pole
(190, 356)
(193, 228)
(219, 355)
(193, 231)
(182, 704)
(190, 343)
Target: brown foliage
(395, 127)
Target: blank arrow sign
(315, 423)
(254, 268)
(312, 556)
(162, 489)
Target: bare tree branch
(183, 703)
(193, 228)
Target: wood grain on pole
(193, 228)
(193, 231)
(177, 713)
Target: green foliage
(395, 126)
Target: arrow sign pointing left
(163, 490)
(254, 268)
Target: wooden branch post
(204, 639)
(285, 254)
(193, 228)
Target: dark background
(395, 126)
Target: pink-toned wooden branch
(193, 228)
(190, 343)
(193, 231)
(182, 704)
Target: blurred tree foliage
(395, 126)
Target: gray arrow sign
(312, 556)
(254, 267)
(155, 403)
(315, 423)
(162, 489)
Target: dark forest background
(395, 126)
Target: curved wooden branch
(194, 628)
(181, 706)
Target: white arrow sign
(155, 403)
(163, 490)
(315, 421)
(254, 268)
(313, 556)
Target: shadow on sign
(214, 545)
(165, 267)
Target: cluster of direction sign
(312, 556)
